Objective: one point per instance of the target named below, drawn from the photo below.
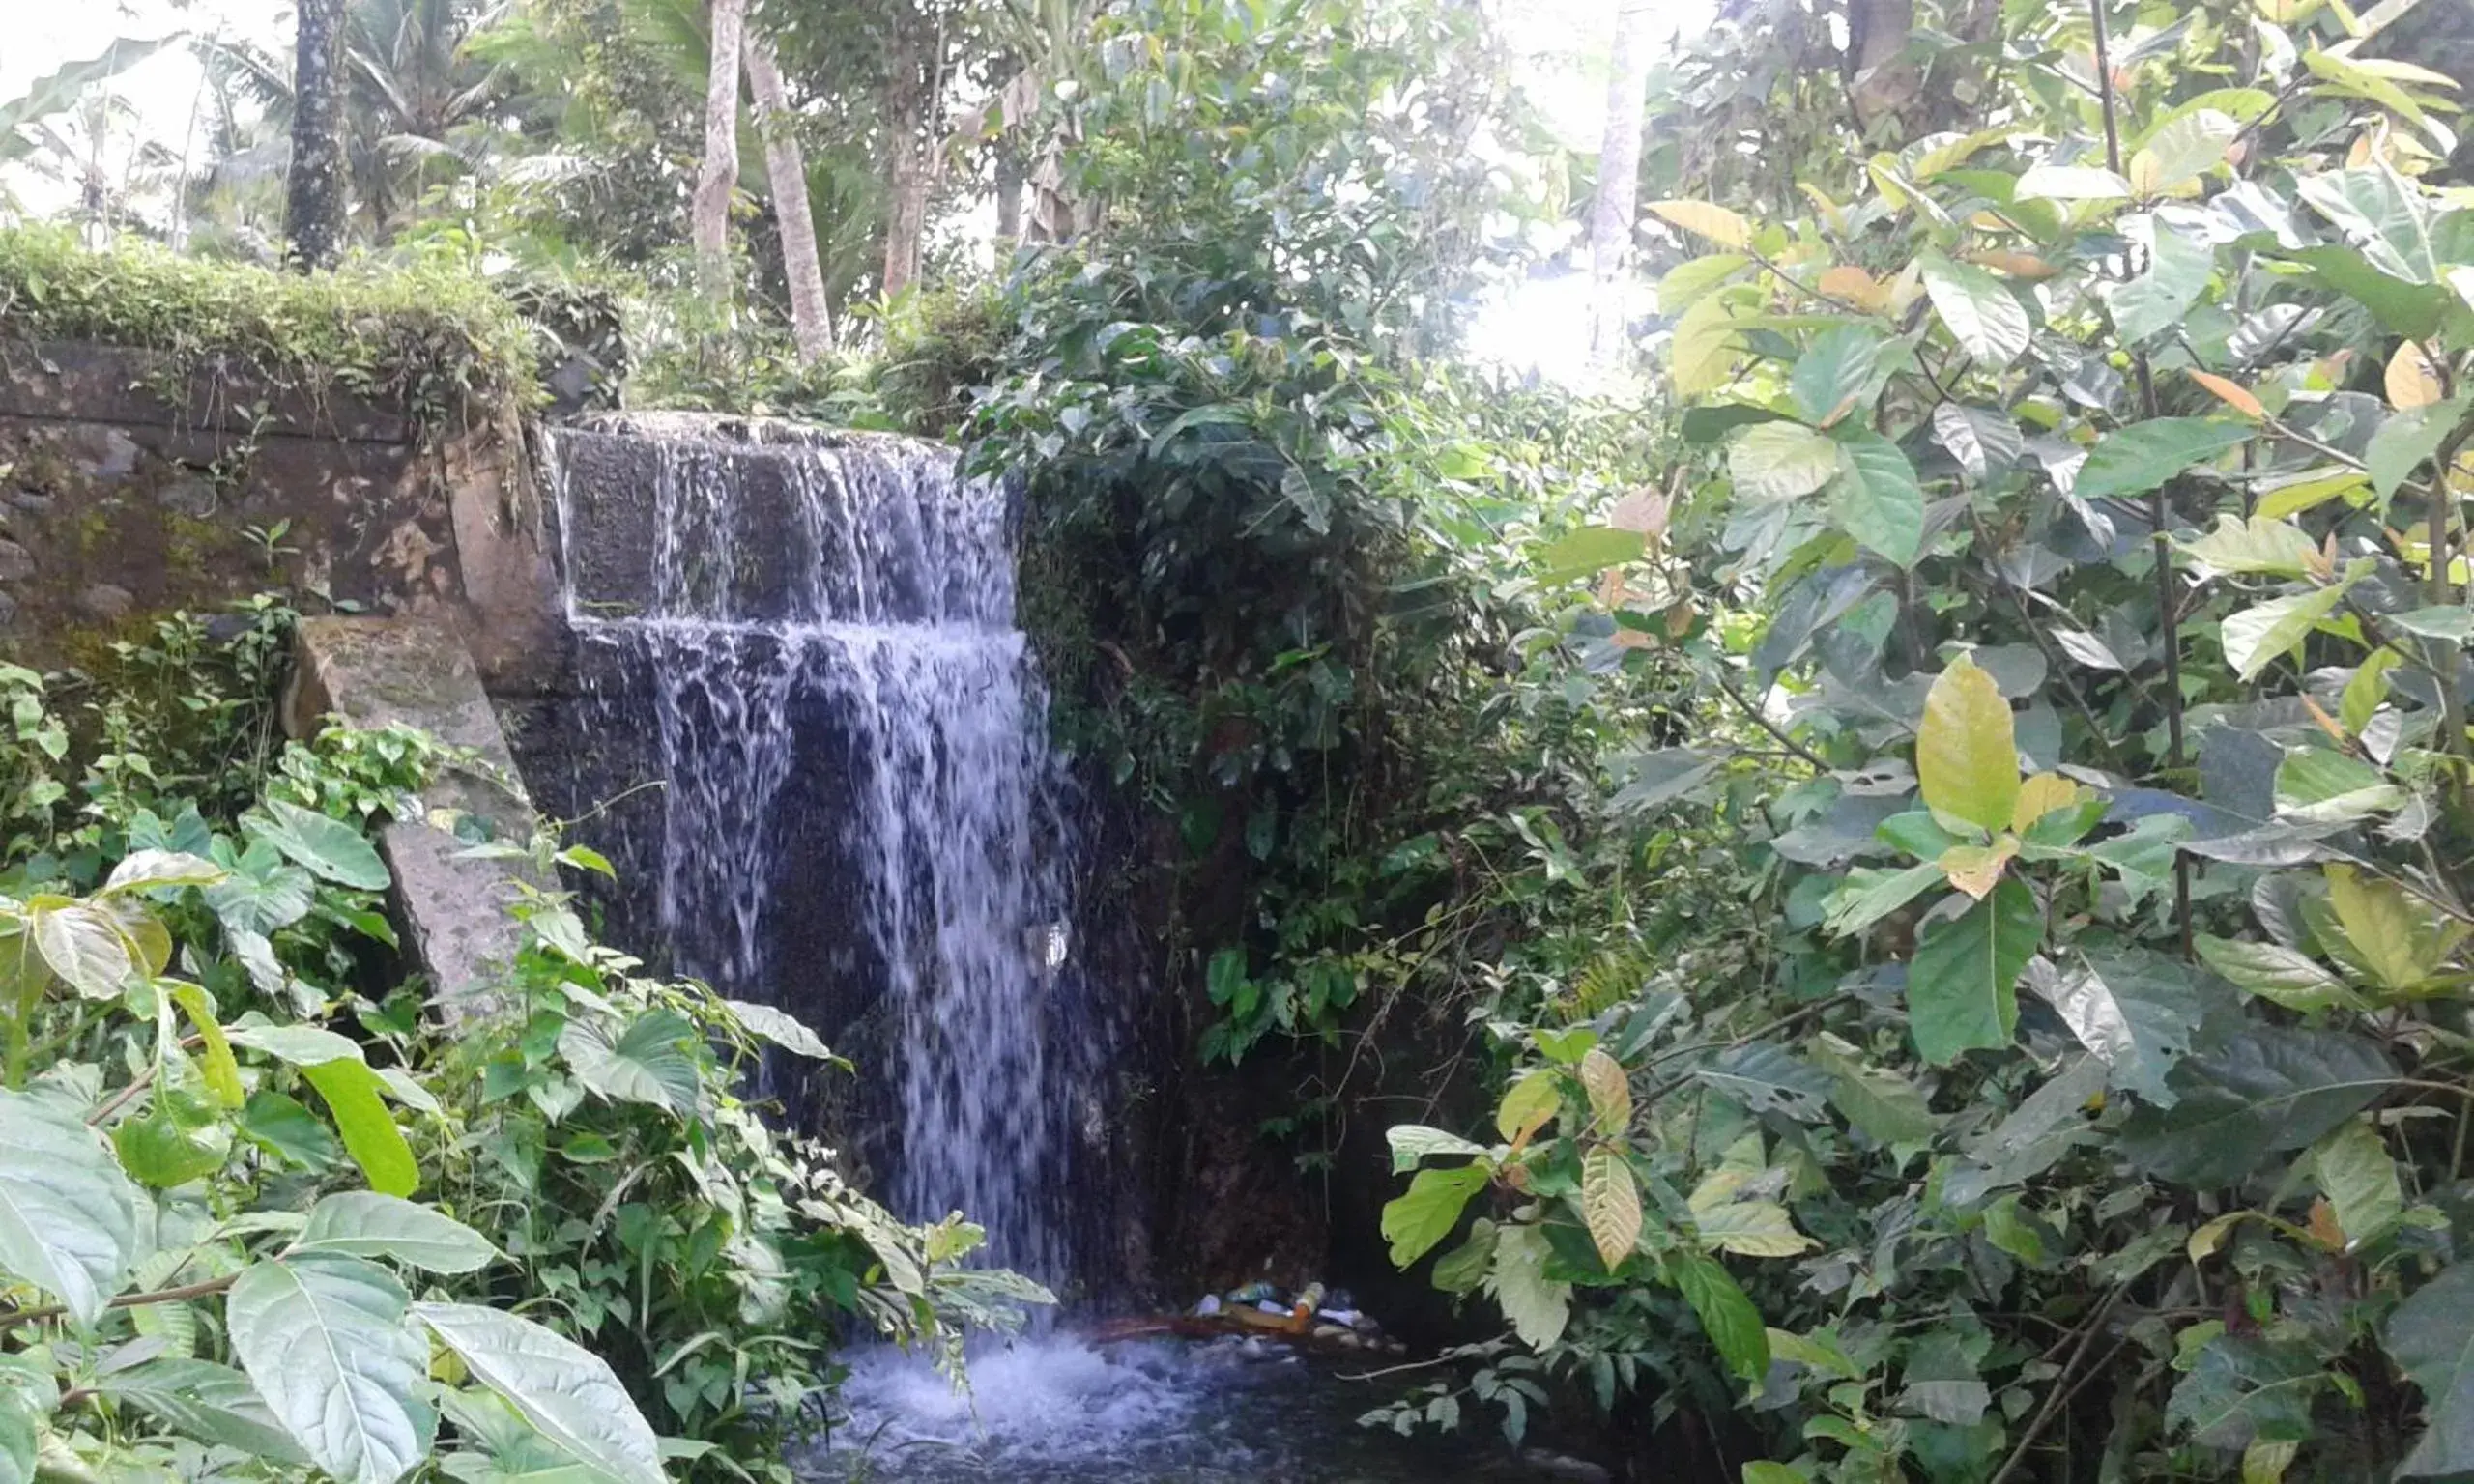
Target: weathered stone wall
(129, 487)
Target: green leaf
(780, 1028)
(1462, 1269)
(2402, 940)
(67, 1215)
(282, 1126)
(1887, 1107)
(174, 1142)
(1778, 461)
(2266, 1090)
(566, 1392)
(222, 1070)
(2414, 310)
(1750, 1229)
(1981, 438)
(297, 1046)
(1983, 316)
(362, 1223)
(2138, 458)
(1878, 499)
(142, 870)
(1838, 375)
(2276, 974)
(1869, 895)
(2241, 1389)
(2353, 1170)
(2238, 547)
(1610, 1205)
(2382, 215)
(2183, 149)
(1690, 281)
(1967, 759)
(1528, 1103)
(2322, 785)
(1962, 986)
(1587, 551)
(84, 945)
(2255, 638)
(1538, 1306)
(324, 1338)
(2453, 624)
(2177, 274)
(262, 893)
(1726, 1316)
(649, 1062)
(352, 1095)
(1412, 1142)
(59, 89)
(213, 1404)
(2071, 183)
(2408, 440)
(1702, 353)
(2432, 1338)
(1415, 1221)
(326, 847)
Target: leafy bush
(2117, 1094)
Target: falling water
(843, 605)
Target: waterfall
(808, 640)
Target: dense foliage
(266, 1212)
(2080, 523)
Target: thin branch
(2061, 1393)
(1767, 724)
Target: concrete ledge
(452, 912)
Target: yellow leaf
(1976, 870)
(2208, 1238)
(2018, 265)
(1527, 1106)
(1611, 1203)
(1610, 1093)
(1967, 759)
(2266, 1459)
(2040, 796)
(1703, 353)
(2232, 394)
(2413, 380)
(1851, 285)
(1752, 1229)
(1703, 219)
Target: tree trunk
(1879, 80)
(1619, 173)
(908, 106)
(720, 170)
(786, 169)
(314, 202)
(1009, 194)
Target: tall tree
(913, 87)
(1619, 175)
(786, 168)
(317, 185)
(712, 224)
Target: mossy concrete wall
(130, 485)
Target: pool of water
(1058, 1410)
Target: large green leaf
(2432, 1336)
(1962, 986)
(2382, 217)
(262, 893)
(1967, 756)
(1889, 1109)
(1877, 499)
(648, 1062)
(1726, 1316)
(60, 88)
(1587, 551)
(2266, 1090)
(1838, 375)
(325, 1339)
(1775, 460)
(2405, 440)
(142, 870)
(352, 1095)
(1983, 440)
(1983, 315)
(566, 1392)
(2138, 458)
(213, 1404)
(2132, 1011)
(1412, 1143)
(2255, 638)
(2158, 300)
(67, 1215)
(363, 1223)
(2275, 972)
(325, 847)
(1415, 1221)
(2355, 1172)
(1538, 1306)
(780, 1028)
(2240, 1391)
(2256, 546)
(83, 944)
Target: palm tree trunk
(1619, 171)
(786, 169)
(712, 210)
(315, 186)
